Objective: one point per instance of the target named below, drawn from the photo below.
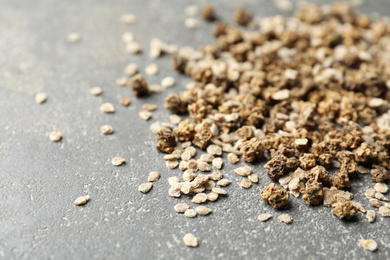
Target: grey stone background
(40, 179)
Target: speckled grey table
(40, 179)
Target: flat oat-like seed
(127, 37)
(380, 196)
(171, 164)
(219, 191)
(151, 69)
(55, 136)
(74, 37)
(173, 180)
(191, 10)
(381, 187)
(369, 244)
(190, 213)
(133, 47)
(199, 198)
(168, 82)
(264, 217)
(131, 69)
(153, 176)
(223, 182)
(81, 200)
(370, 216)
(107, 108)
(145, 187)
(370, 193)
(96, 91)
(285, 218)
(203, 210)
(128, 18)
(125, 101)
(217, 163)
(190, 240)
(155, 88)
(253, 177)
(191, 23)
(175, 119)
(118, 161)
(122, 81)
(40, 98)
(149, 107)
(145, 115)
(375, 203)
(384, 211)
(233, 158)
(106, 129)
(181, 207)
(212, 196)
(246, 183)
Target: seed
(203, 210)
(199, 198)
(209, 185)
(233, 158)
(131, 69)
(375, 203)
(370, 193)
(191, 23)
(359, 206)
(118, 161)
(253, 177)
(128, 18)
(369, 244)
(74, 37)
(173, 180)
(145, 187)
(186, 187)
(376, 102)
(281, 94)
(384, 211)
(243, 171)
(171, 164)
(145, 115)
(190, 240)
(380, 196)
(191, 10)
(212, 196)
(155, 88)
(149, 107)
(246, 183)
(55, 136)
(336, 163)
(151, 69)
(40, 98)
(363, 170)
(96, 91)
(285, 218)
(168, 82)
(370, 216)
(81, 200)
(153, 176)
(171, 156)
(107, 108)
(301, 142)
(214, 149)
(264, 217)
(181, 208)
(224, 182)
(190, 213)
(133, 47)
(207, 158)
(219, 191)
(189, 175)
(175, 119)
(381, 187)
(127, 37)
(203, 166)
(106, 129)
(191, 150)
(125, 101)
(122, 81)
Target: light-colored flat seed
(209, 185)
(149, 107)
(198, 190)
(189, 175)
(171, 164)
(370, 216)
(107, 108)
(199, 198)
(186, 187)
(264, 217)
(121, 81)
(168, 82)
(155, 52)
(153, 176)
(386, 205)
(193, 165)
(81, 200)
(243, 171)
(214, 149)
(192, 150)
(145, 115)
(183, 165)
(181, 207)
(212, 196)
(106, 129)
(173, 180)
(191, 23)
(155, 88)
(216, 176)
(151, 69)
(363, 170)
(74, 37)
(125, 101)
(145, 187)
(175, 119)
(224, 182)
(376, 102)
(131, 69)
(118, 161)
(253, 177)
(219, 191)
(171, 156)
(207, 157)
(186, 156)
(301, 142)
(191, 10)
(128, 18)
(96, 91)
(174, 193)
(281, 94)
(233, 158)
(186, 144)
(55, 136)
(381, 187)
(190, 240)
(359, 206)
(375, 203)
(127, 37)
(335, 163)
(40, 98)
(285, 218)
(384, 211)
(203, 166)
(203, 210)
(190, 213)
(133, 47)
(246, 183)
(369, 244)
(370, 193)
(380, 196)
(218, 163)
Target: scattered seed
(131, 69)
(122, 81)
(153, 176)
(96, 91)
(370, 193)
(253, 177)
(264, 217)
(145, 187)
(370, 216)
(118, 161)
(74, 37)
(384, 211)
(285, 218)
(203, 210)
(363, 170)
(168, 82)
(191, 23)
(175, 119)
(190, 240)
(199, 198)
(243, 171)
(181, 208)
(145, 115)
(128, 18)
(107, 108)
(125, 101)
(223, 182)
(133, 48)
(81, 200)
(246, 183)
(369, 244)
(106, 129)
(219, 191)
(375, 203)
(172, 164)
(380, 196)
(214, 149)
(149, 107)
(212, 196)
(151, 69)
(203, 166)
(233, 158)
(190, 213)
(173, 180)
(155, 88)
(381, 187)
(281, 95)
(40, 98)
(191, 10)
(127, 37)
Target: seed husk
(246, 183)
(125, 101)
(145, 115)
(190, 213)
(223, 182)
(149, 107)
(285, 218)
(168, 82)
(203, 210)
(151, 69)
(181, 208)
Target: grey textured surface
(40, 179)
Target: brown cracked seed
(81, 200)
(190, 240)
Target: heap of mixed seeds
(307, 94)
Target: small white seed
(106, 129)
(190, 240)
(369, 244)
(81, 200)
(264, 217)
(168, 82)
(285, 218)
(190, 213)
(145, 187)
(153, 176)
(55, 136)
(107, 108)
(181, 208)
(96, 91)
(203, 210)
(118, 161)
(40, 98)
